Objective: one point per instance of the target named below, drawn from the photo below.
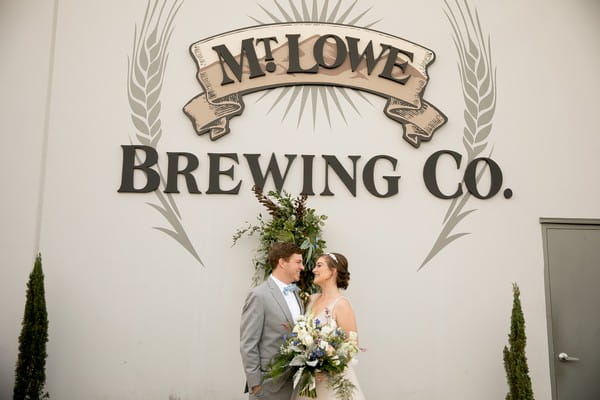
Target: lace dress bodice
(324, 391)
(325, 316)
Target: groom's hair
(282, 250)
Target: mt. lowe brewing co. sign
(304, 54)
(300, 53)
(312, 54)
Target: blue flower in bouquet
(314, 347)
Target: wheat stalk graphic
(478, 79)
(146, 68)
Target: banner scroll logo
(252, 59)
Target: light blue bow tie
(291, 288)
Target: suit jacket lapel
(278, 296)
(300, 302)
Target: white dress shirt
(290, 299)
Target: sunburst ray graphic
(329, 97)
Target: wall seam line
(44, 155)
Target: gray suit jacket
(265, 319)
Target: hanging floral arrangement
(288, 220)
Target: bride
(329, 305)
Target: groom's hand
(256, 389)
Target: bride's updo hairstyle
(340, 263)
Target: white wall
(132, 315)
(26, 34)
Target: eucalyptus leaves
(291, 221)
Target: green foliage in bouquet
(30, 372)
(290, 221)
(515, 361)
(343, 387)
(313, 347)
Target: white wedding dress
(324, 392)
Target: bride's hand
(320, 376)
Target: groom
(269, 309)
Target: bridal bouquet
(313, 347)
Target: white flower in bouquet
(306, 338)
(328, 329)
(312, 347)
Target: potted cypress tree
(30, 371)
(515, 360)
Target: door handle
(564, 357)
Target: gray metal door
(572, 258)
